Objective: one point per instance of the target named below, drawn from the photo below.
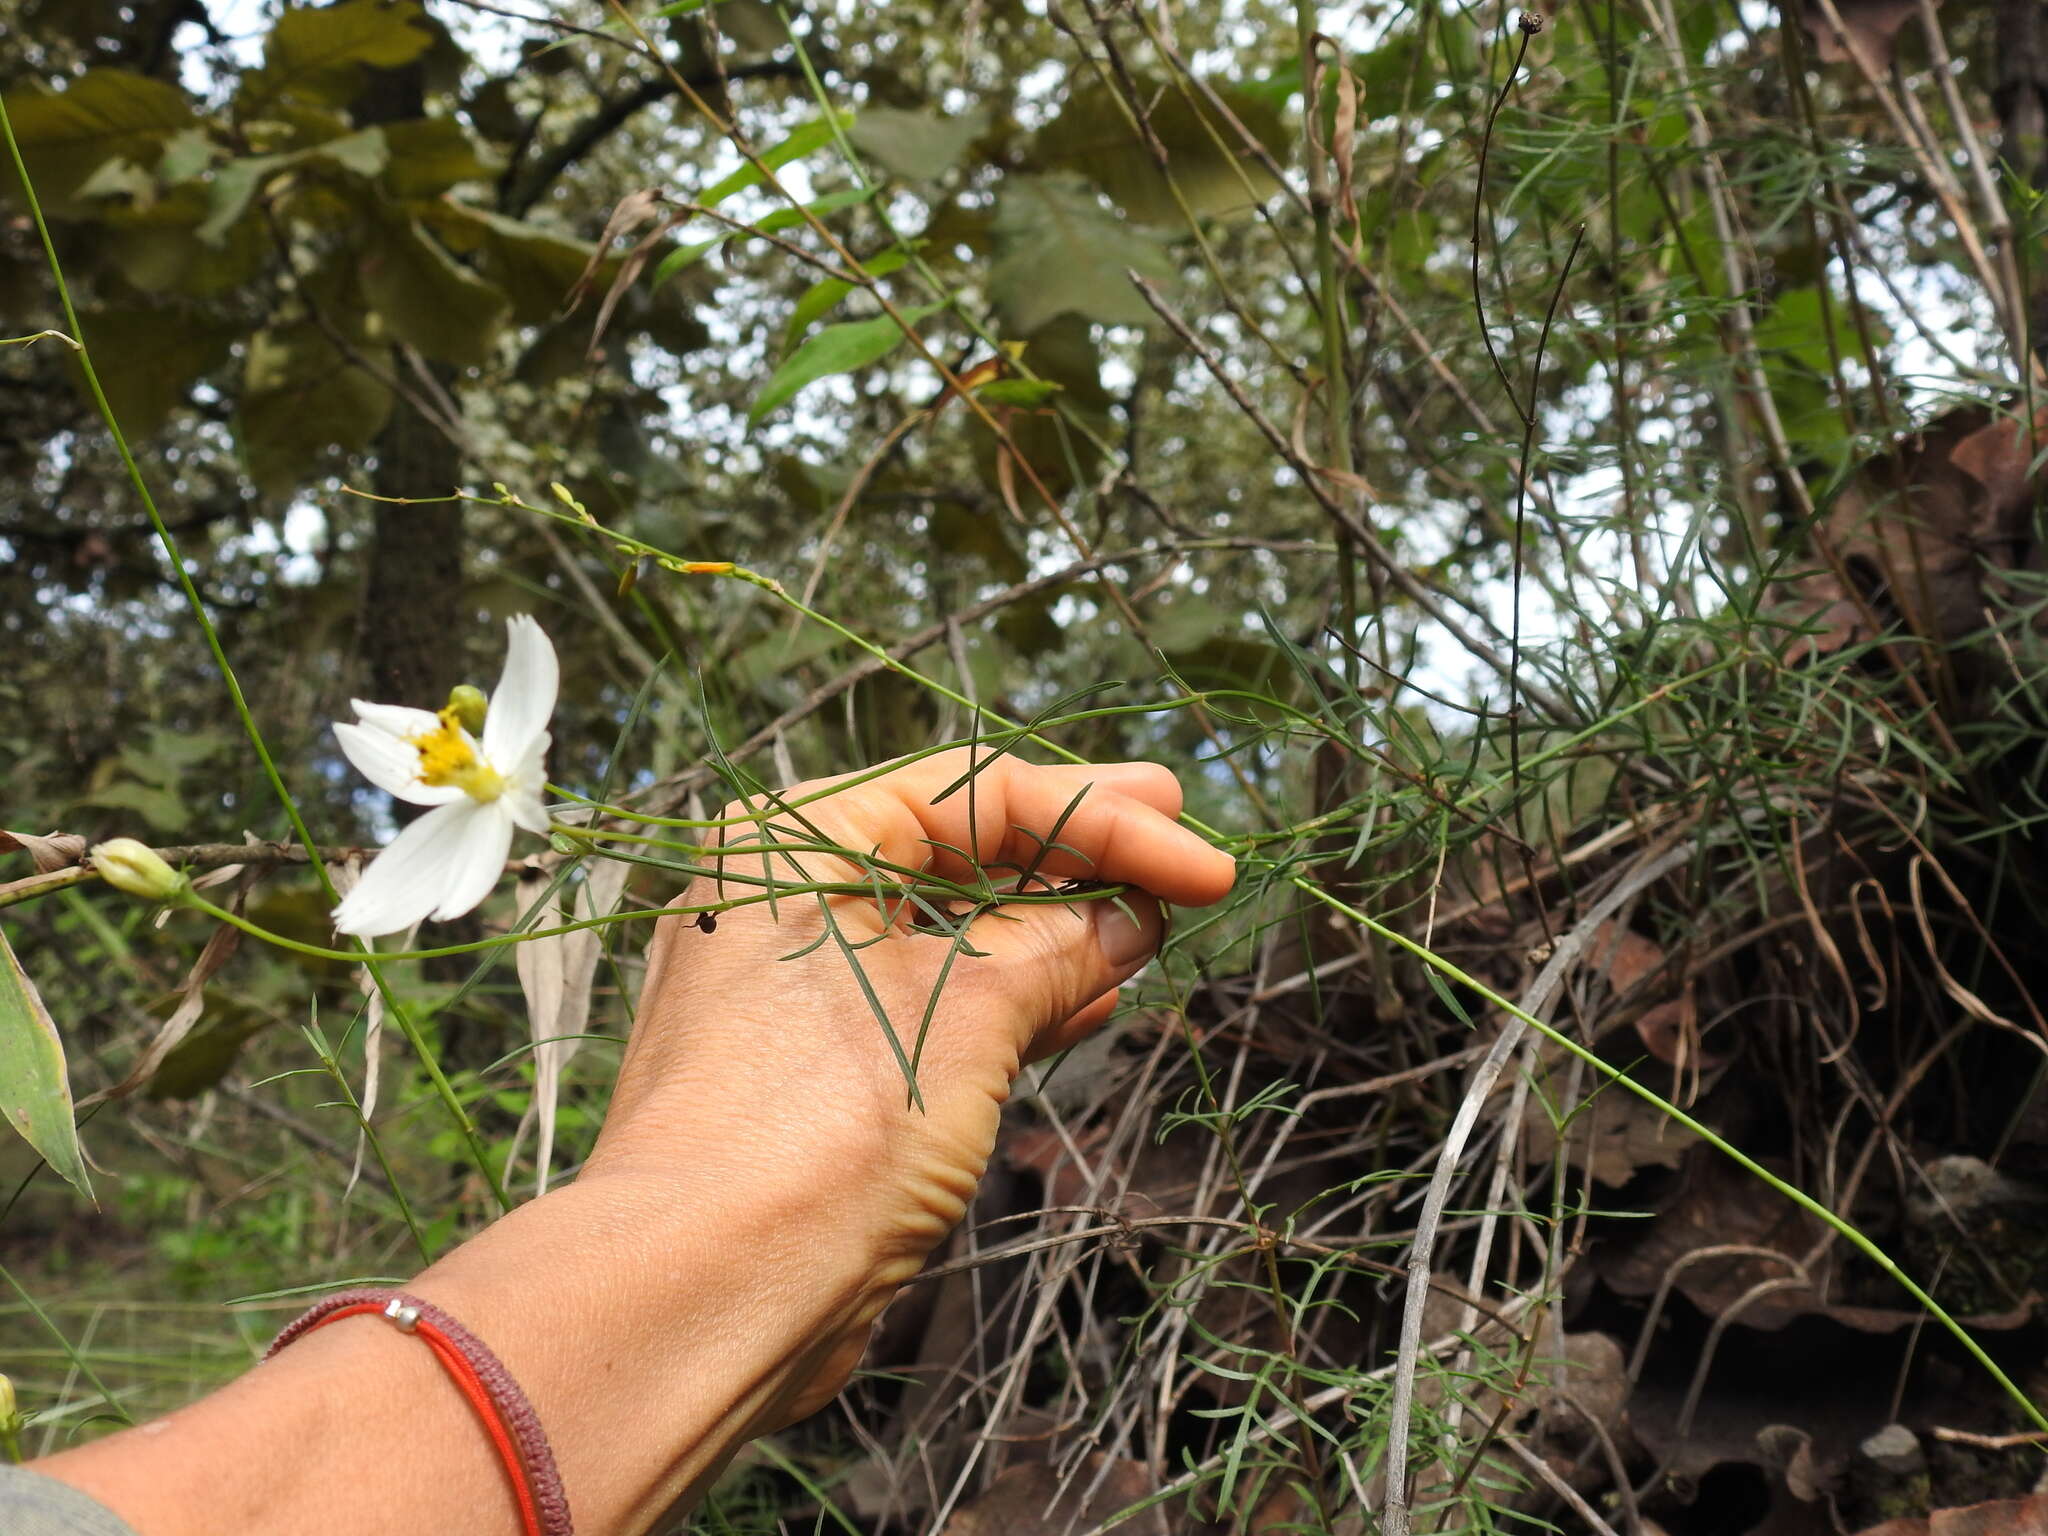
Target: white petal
(477, 863)
(525, 698)
(524, 786)
(390, 764)
(396, 719)
(413, 876)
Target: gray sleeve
(34, 1505)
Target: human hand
(758, 1053)
(760, 1189)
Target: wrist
(658, 1324)
(886, 1178)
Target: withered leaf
(56, 850)
(1036, 1500)
(1720, 1206)
(1923, 532)
(1869, 27)
(2000, 1517)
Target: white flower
(446, 862)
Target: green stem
(233, 684)
(78, 1361)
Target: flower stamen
(448, 756)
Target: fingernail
(1122, 941)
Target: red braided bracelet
(508, 1418)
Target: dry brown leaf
(1871, 27)
(1625, 955)
(633, 210)
(2000, 1517)
(1585, 1377)
(1613, 1138)
(1343, 141)
(1923, 530)
(1670, 1032)
(1035, 1500)
(556, 974)
(220, 946)
(1721, 1206)
(52, 852)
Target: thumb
(1045, 964)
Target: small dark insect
(707, 922)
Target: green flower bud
(129, 866)
(469, 703)
(11, 1422)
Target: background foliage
(1567, 494)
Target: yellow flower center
(447, 756)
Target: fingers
(1110, 822)
(1052, 971)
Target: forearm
(654, 1328)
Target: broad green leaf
(836, 349)
(752, 25)
(202, 1058)
(831, 202)
(964, 531)
(229, 193)
(814, 135)
(234, 185)
(158, 806)
(1214, 171)
(823, 296)
(1058, 250)
(427, 298)
(147, 358)
(534, 266)
(318, 54)
(916, 146)
(1062, 352)
(774, 658)
(35, 1089)
(684, 256)
(302, 397)
(431, 154)
(67, 135)
(1275, 91)
(363, 152)
(186, 153)
(158, 248)
(118, 180)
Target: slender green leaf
(836, 349)
(812, 136)
(823, 296)
(783, 218)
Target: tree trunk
(411, 626)
(413, 612)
